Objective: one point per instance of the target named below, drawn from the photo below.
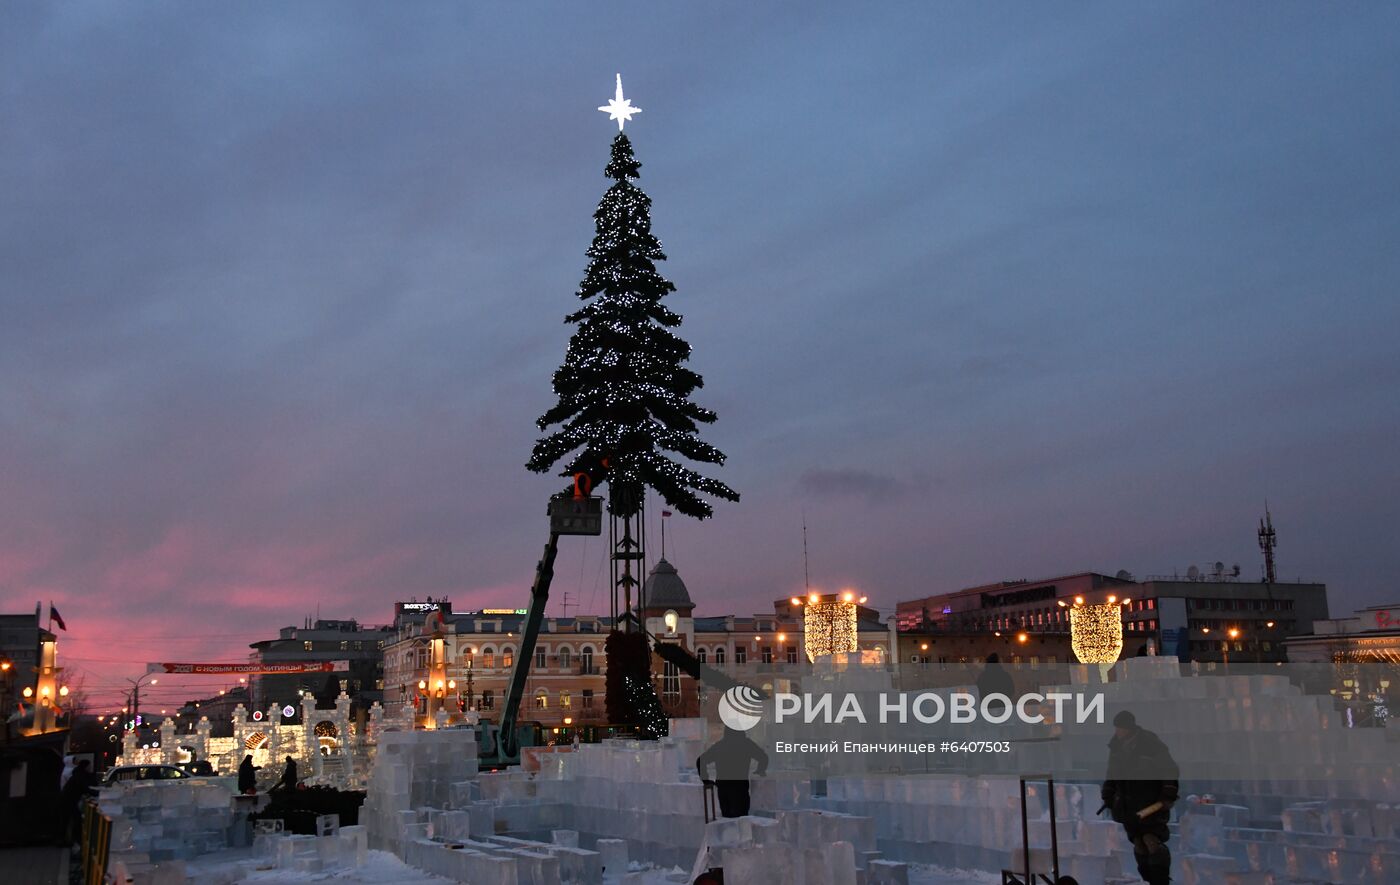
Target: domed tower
(667, 616)
(668, 608)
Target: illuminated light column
(47, 691)
(829, 624)
(202, 729)
(169, 752)
(1096, 631)
(308, 729)
(274, 731)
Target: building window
(508, 658)
(344, 685)
(719, 656)
(381, 643)
(565, 700)
(792, 654)
(307, 645)
(586, 659)
(540, 657)
(564, 657)
(488, 659)
(768, 654)
(359, 645)
(488, 699)
(588, 699)
(379, 685)
(741, 654)
(670, 683)
(700, 655)
(541, 700)
(344, 645)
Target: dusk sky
(986, 291)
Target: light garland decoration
(829, 624)
(1096, 630)
(652, 723)
(624, 393)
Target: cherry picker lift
(570, 513)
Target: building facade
(1371, 636)
(322, 641)
(217, 708)
(19, 644)
(1207, 618)
(566, 677)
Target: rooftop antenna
(566, 603)
(1267, 542)
(806, 575)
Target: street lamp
(1233, 633)
(135, 695)
(7, 670)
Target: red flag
(665, 513)
(56, 617)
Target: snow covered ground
(926, 875)
(383, 868)
(240, 866)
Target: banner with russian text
(239, 669)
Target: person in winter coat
(995, 680)
(247, 776)
(81, 784)
(1139, 789)
(289, 776)
(731, 758)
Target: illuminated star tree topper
(619, 108)
(624, 406)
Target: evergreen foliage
(624, 392)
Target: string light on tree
(624, 415)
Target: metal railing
(96, 844)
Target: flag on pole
(56, 618)
(665, 513)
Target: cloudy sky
(985, 291)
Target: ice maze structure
(633, 811)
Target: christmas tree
(624, 392)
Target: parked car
(143, 773)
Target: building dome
(665, 589)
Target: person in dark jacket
(995, 680)
(81, 784)
(1139, 789)
(289, 776)
(247, 776)
(731, 757)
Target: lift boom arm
(539, 598)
